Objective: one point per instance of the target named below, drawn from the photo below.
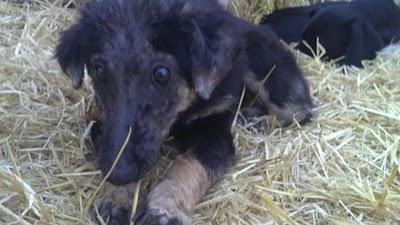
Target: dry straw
(343, 168)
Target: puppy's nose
(123, 173)
(117, 178)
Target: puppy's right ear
(76, 46)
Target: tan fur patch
(186, 97)
(216, 106)
(184, 185)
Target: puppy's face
(143, 93)
(144, 73)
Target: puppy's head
(148, 61)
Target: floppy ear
(211, 58)
(364, 42)
(76, 46)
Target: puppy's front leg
(210, 153)
(172, 201)
(114, 203)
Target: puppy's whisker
(238, 108)
(260, 85)
(135, 201)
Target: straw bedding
(343, 168)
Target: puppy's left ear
(212, 55)
(364, 42)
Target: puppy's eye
(161, 75)
(97, 70)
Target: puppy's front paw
(164, 215)
(173, 200)
(111, 213)
(114, 203)
(302, 113)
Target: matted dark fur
(175, 67)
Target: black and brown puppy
(175, 67)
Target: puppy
(355, 30)
(163, 68)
